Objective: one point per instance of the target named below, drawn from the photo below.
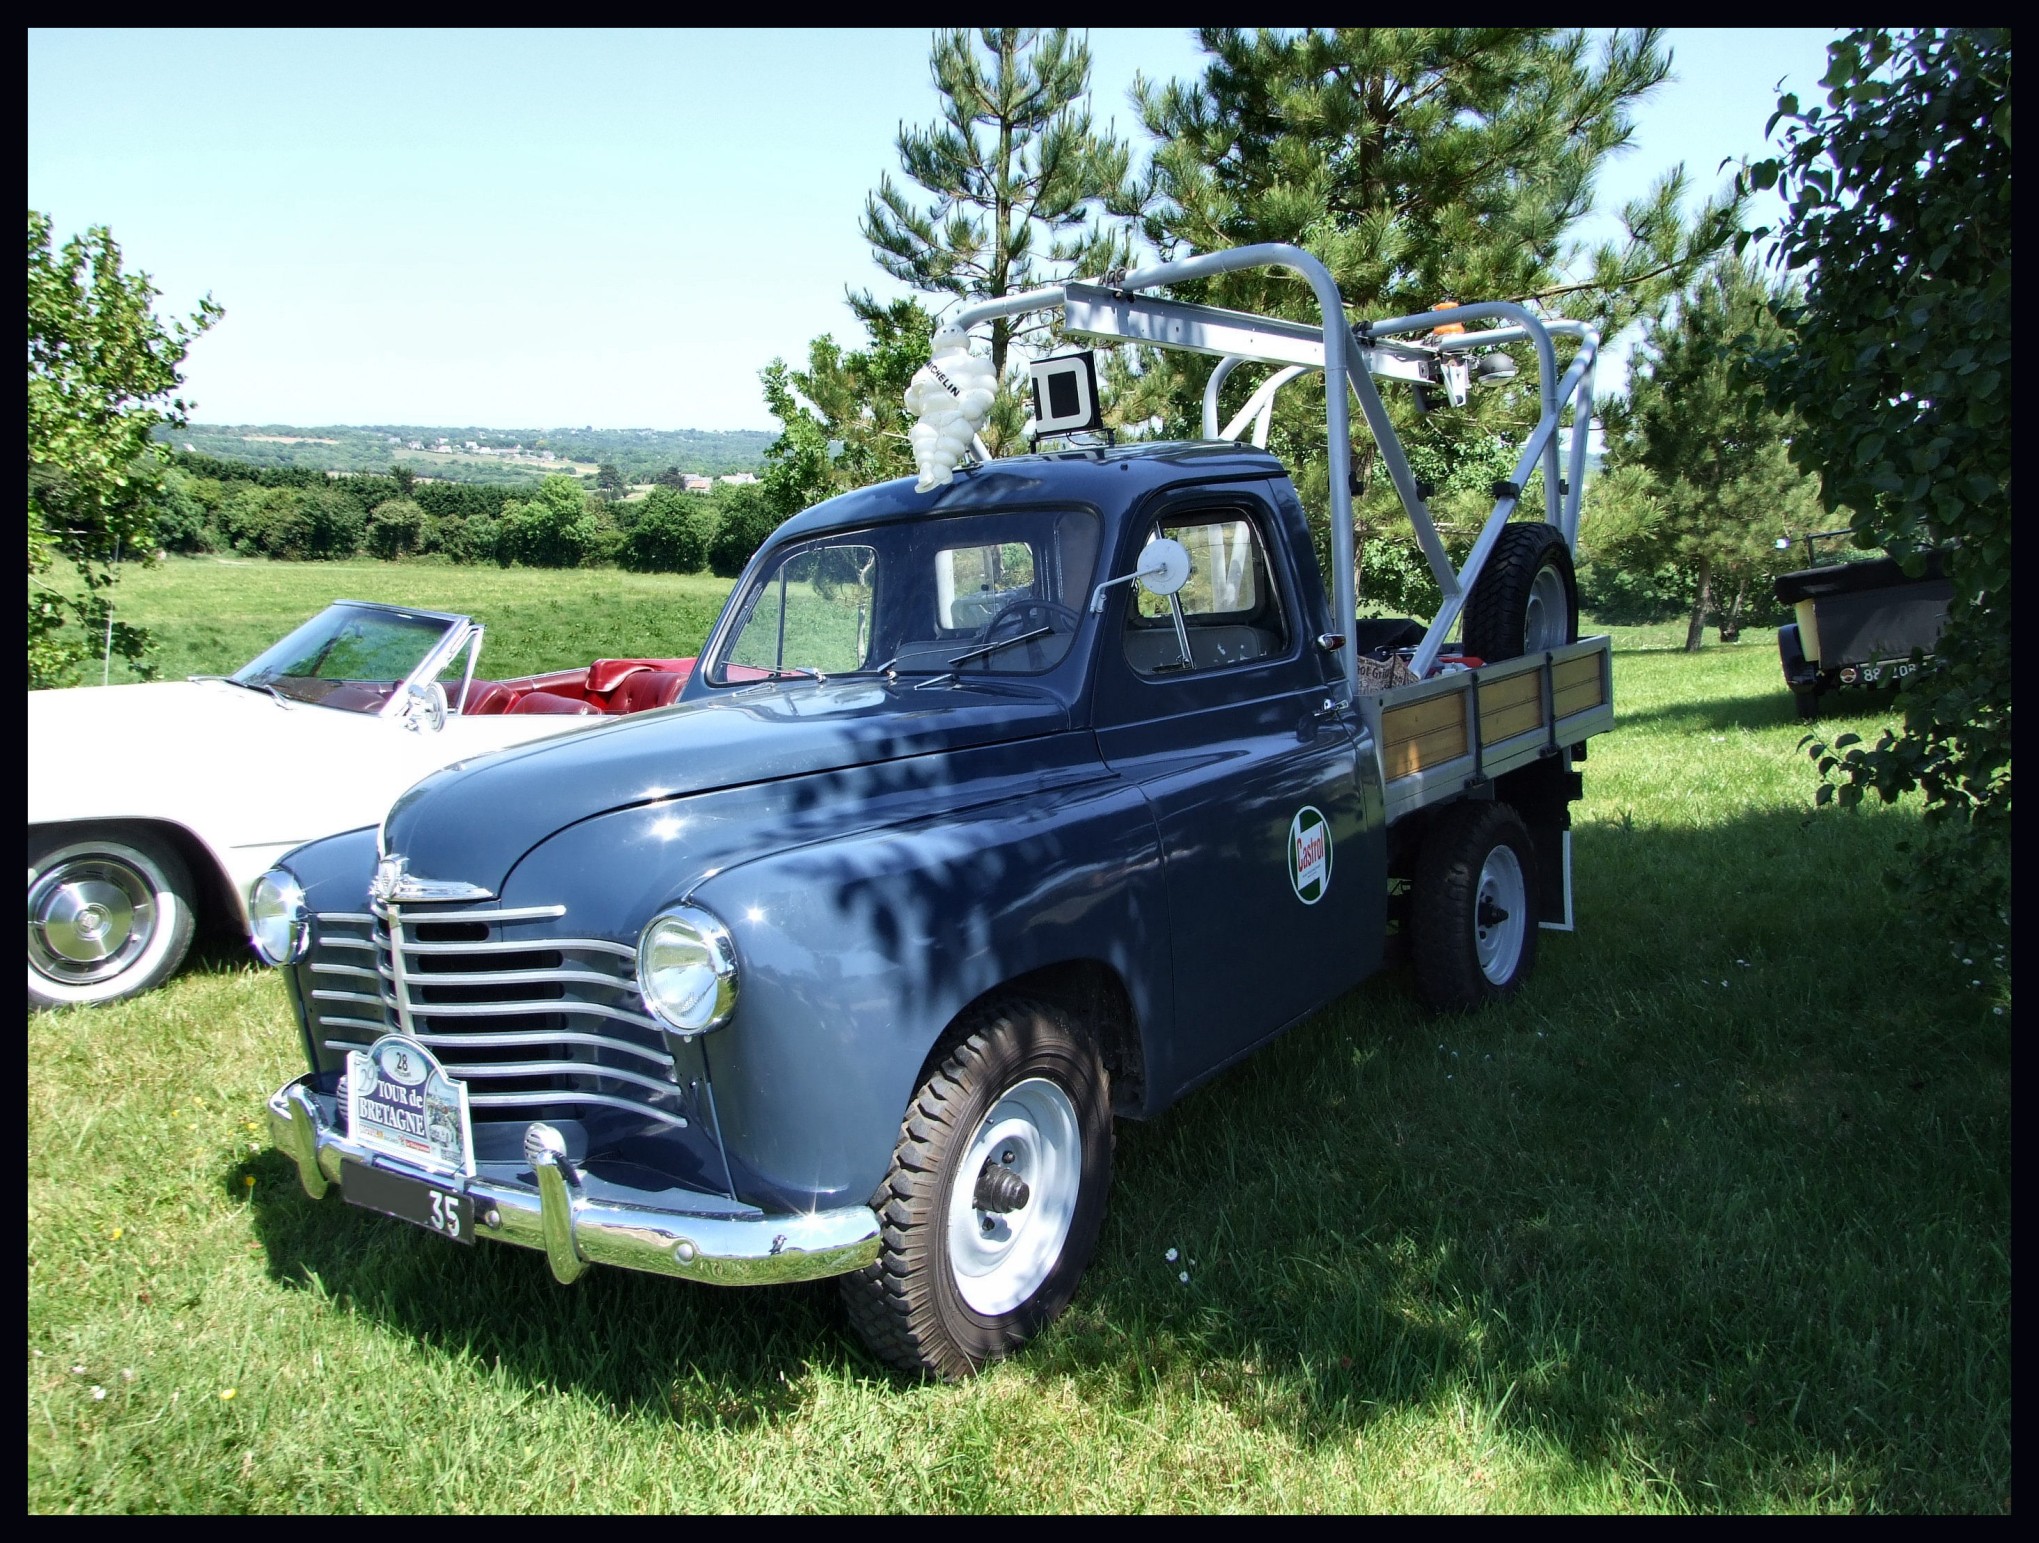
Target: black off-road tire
(908, 1305)
(1527, 597)
(73, 872)
(1449, 931)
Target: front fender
(856, 954)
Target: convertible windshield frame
(924, 599)
(440, 636)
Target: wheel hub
(1500, 915)
(1014, 1196)
(87, 919)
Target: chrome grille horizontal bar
(552, 1037)
(424, 979)
(518, 946)
(557, 1068)
(537, 1100)
(509, 1009)
(345, 996)
(526, 913)
(344, 969)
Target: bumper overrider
(575, 1230)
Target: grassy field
(214, 614)
(1715, 1216)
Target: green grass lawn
(214, 614)
(1714, 1216)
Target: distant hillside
(471, 454)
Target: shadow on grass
(1714, 1213)
(1774, 710)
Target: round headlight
(277, 922)
(686, 969)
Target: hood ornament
(394, 883)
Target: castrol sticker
(1309, 855)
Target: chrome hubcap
(1014, 1197)
(1500, 915)
(88, 919)
(1543, 622)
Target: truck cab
(992, 811)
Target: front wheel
(107, 917)
(1473, 923)
(995, 1195)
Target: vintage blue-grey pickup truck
(990, 812)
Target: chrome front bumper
(574, 1230)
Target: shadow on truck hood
(474, 820)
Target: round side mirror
(1164, 566)
(426, 706)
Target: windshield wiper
(778, 673)
(985, 650)
(249, 685)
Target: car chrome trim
(571, 1028)
(574, 1230)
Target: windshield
(353, 657)
(999, 594)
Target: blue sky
(525, 229)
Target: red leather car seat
(546, 702)
(486, 698)
(644, 690)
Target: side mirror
(1163, 569)
(1164, 566)
(425, 707)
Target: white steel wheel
(106, 919)
(1547, 618)
(1014, 1196)
(1472, 918)
(1500, 913)
(992, 1205)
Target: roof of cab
(1107, 477)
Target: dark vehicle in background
(1861, 623)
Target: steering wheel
(1047, 610)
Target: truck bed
(1440, 735)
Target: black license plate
(435, 1208)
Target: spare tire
(1527, 597)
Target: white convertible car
(152, 809)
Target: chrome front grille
(538, 1026)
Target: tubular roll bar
(1349, 357)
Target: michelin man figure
(950, 396)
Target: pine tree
(1018, 176)
(1713, 486)
(1421, 165)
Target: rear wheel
(1473, 923)
(995, 1195)
(1527, 598)
(108, 916)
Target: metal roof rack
(1352, 358)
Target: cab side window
(1228, 613)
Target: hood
(473, 822)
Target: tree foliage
(555, 529)
(1420, 164)
(1898, 189)
(102, 368)
(1021, 184)
(1702, 478)
(842, 420)
(670, 534)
